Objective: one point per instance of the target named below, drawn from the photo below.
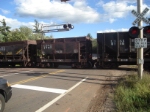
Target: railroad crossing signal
(56, 28)
(140, 16)
(68, 26)
(147, 31)
(134, 32)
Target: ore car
(21, 53)
(74, 51)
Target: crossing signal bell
(146, 31)
(134, 32)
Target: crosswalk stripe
(37, 88)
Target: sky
(87, 16)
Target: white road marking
(37, 88)
(6, 75)
(26, 71)
(15, 73)
(59, 97)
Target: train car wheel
(78, 66)
(13, 65)
(29, 64)
(73, 66)
(90, 64)
(56, 65)
(42, 65)
(23, 65)
(107, 65)
(48, 65)
(38, 65)
(114, 66)
(97, 65)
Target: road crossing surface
(53, 90)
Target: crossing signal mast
(56, 28)
(137, 33)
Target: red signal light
(146, 31)
(134, 32)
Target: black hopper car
(114, 49)
(117, 48)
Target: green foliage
(37, 30)
(1, 37)
(23, 33)
(17, 35)
(26, 31)
(37, 27)
(94, 45)
(4, 30)
(36, 36)
(133, 95)
(51, 36)
(89, 35)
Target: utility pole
(140, 50)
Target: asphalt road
(54, 90)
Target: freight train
(74, 51)
(114, 49)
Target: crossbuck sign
(140, 16)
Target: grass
(133, 94)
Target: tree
(49, 37)
(37, 29)
(90, 36)
(4, 30)
(36, 36)
(94, 43)
(17, 35)
(26, 31)
(1, 37)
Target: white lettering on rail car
(113, 42)
(121, 42)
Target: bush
(132, 94)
